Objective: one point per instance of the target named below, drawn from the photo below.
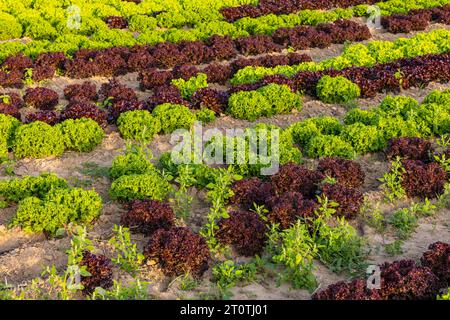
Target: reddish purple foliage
(218, 73)
(210, 99)
(17, 62)
(77, 110)
(196, 52)
(347, 173)
(86, 91)
(285, 210)
(115, 22)
(423, 180)
(400, 280)
(355, 290)
(117, 92)
(248, 192)
(119, 107)
(294, 177)
(167, 55)
(245, 231)
(222, 46)
(11, 103)
(11, 79)
(140, 59)
(166, 94)
(184, 72)
(41, 98)
(403, 280)
(179, 251)
(51, 59)
(350, 200)
(279, 7)
(10, 110)
(147, 216)
(100, 268)
(257, 44)
(437, 258)
(152, 78)
(47, 116)
(410, 149)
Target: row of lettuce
(360, 132)
(24, 17)
(51, 32)
(251, 70)
(39, 139)
(363, 130)
(358, 55)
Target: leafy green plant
(150, 185)
(206, 115)
(10, 27)
(398, 105)
(6, 292)
(444, 143)
(341, 248)
(304, 131)
(18, 189)
(128, 256)
(404, 221)
(444, 296)
(337, 90)
(266, 101)
(8, 127)
(136, 290)
(187, 88)
(136, 160)
(394, 248)
(28, 77)
(280, 98)
(38, 140)
(181, 199)
(443, 200)
(81, 135)
(57, 209)
(228, 274)
(138, 125)
(68, 285)
(3, 149)
(363, 138)
(366, 117)
(392, 181)
(375, 219)
(425, 208)
(218, 194)
(173, 116)
(295, 249)
(187, 282)
(338, 244)
(329, 146)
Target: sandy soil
(23, 256)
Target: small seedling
(136, 290)
(394, 248)
(392, 181)
(128, 257)
(405, 222)
(181, 199)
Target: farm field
(227, 149)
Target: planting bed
(364, 122)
